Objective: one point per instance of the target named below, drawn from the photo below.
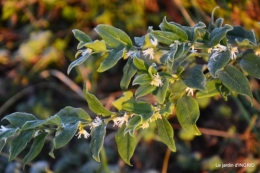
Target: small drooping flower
(157, 80)
(190, 91)
(219, 48)
(83, 132)
(155, 116)
(149, 52)
(145, 125)
(119, 121)
(233, 51)
(96, 122)
(87, 51)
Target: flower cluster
(119, 121)
(157, 80)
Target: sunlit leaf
(126, 144)
(251, 64)
(97, 140)
(218, 34)
(211, 87)
(165, 132)
(187, 110)
(114, 56)
(172, 27)
(78, 61)
(142, 79)
(128, 72)
(235, 81)
(97, 46)
(126, 96)
(94, 104)
(137, 107)
(113, 36)
(160, 92)
(81, 36)
(144, 90)
(165, 36)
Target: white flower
(87, 51)
(3, 129)
(83, 132)
(97, 122)
(149, 52)
(145, 125)
(157, 80)
(233, 51)
(189, 91)
(119, 121)
(219, 48)
(154, 41)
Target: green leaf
(196, 79)
(65, 135)
(142, 79)
(126, 145)
(18, 119)
(94, 104)
(251, 64)
(129, 72)
(217, 61)
(2, 144)
(81, 44)
(35, 149)
(165, 132)
(113, 36)
(239, 34)
(140, 64)
(97, 140)
(137, 107)
(144, 89)
(211, 87)
(219, 22)
(172, 27)
(73, 115)
(118, 103)
(167, 110)
(97, 46)
(114, 56)
(139, 40)
(78, 61)
(187, 111)
(147, 41)
(218, 34)
(8, 132)
(160, 93)
(54, 120)
(81, 36)
(164, 36)
(133, 123)
(200, 34)
(211, 23)
(235, 81)
(19, 143)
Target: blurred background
(37, 45)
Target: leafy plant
(162, 60)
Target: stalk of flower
(149, 52)
(157, 80)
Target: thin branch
(166, 160)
